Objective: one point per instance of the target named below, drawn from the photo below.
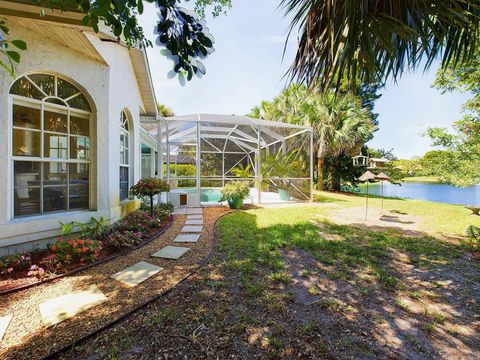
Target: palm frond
(370, 40)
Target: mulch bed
(19, 280)
(27, 337)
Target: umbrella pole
(366, 206)
(382, 197)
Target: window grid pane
(47, 186)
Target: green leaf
(22, 45)
(15, 56)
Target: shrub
(164, 210)
(138, 221)
(11, 263)
(124, 239)
(36, 271)
(472, 244)
(149, 187)
(72, 251)
(235, 190)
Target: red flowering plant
(149, 187)
(74, 251)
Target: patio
(275, 158)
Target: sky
(247, 67)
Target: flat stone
(194, 217)
(184, 238)
(64, 307)
(192, 229)
(4, 321)
(194, 211)
(171, 252)
(137, 273)
(194, 222)
(179, 211)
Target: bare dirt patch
(386, 219)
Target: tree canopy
(341, 125)
(183, 34)
(460, 163)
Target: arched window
(51, 121)
(124, 156)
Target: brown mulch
(19, 280)
(27, 338)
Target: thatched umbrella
(382, 177)
(367, 177)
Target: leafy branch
(9, 49)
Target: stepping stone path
(171, 252)
(194, 222)
(192, 229)
(64, 307)
(187, 238)
(67, 306)
(135, 274)
(4, 321)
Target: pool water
(210, 195)
(207, 195)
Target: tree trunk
(152, 210)
(336, 176)
(320, 166)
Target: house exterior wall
(110, 88)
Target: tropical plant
(371, 40)
(340, 124)
(149, 187)
(235, 190)
(242, 171)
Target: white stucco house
(71, 143)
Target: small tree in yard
(149, 187)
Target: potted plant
(149, 187)
(234, 193)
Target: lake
(428, 191)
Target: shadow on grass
(280, 286)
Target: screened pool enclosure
(198, 154)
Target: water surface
(428, 191)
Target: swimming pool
(207, 195)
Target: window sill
(53, 215)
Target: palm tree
(164, 110)
(340, 124)
(370, 40)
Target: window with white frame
(124, 156)
(51, 152)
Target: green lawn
(422, 179)
(285, 284)
(440, 218)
